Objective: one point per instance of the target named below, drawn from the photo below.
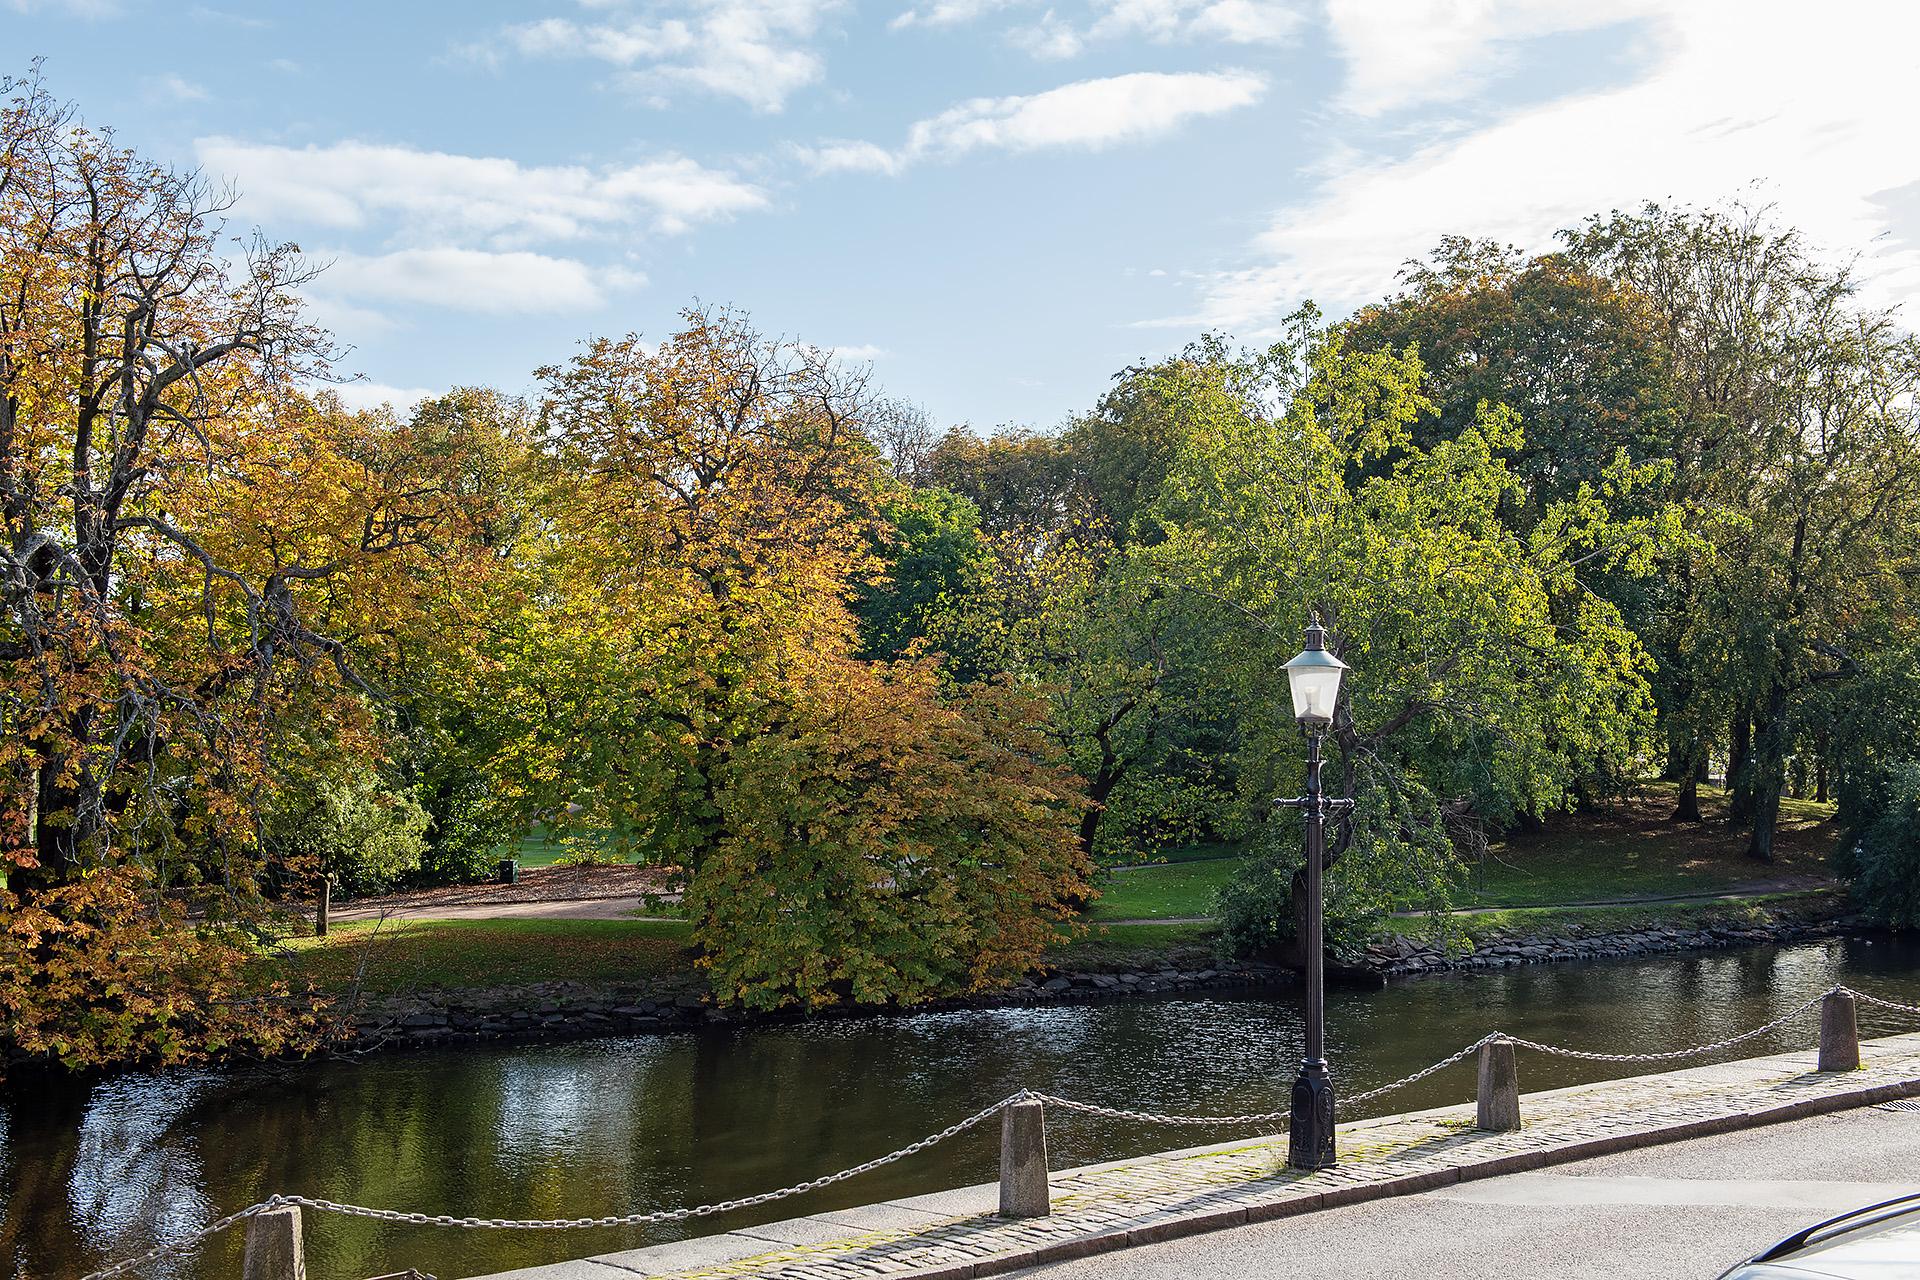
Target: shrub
(1883, 855)
(883, 845)
(350, 824)
(104, 971)
(1255, 908)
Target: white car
(1879, 1242)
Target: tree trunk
(1766, 809)
(57, 834)
(1099, 787)
(1689, 768)
(1687, 808)
(1739, 767)
(1766, 770)
(1679, 756)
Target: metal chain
(189, 1244)
(555, 1224)
(1424, 1072)
(1884, 1004)
(1154, 1117)
(1672, 1054)
(657, 1215)
(1025, 1095)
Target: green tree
(1796, 456)
(937, 563)
(1575, 355)
(1489, 678)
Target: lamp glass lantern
(1314, 676)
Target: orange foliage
(103, 972)
(884, 846)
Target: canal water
(92, 1173)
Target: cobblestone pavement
(956, 1235)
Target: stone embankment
(1407, 957)
(559, 1010)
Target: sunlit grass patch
(409, 955)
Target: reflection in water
(92, 1173)
(136, 1174)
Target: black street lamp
(1314, 676)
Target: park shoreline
(556, 1011)
(560, 1011)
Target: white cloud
(1442, 50)
(948, 13)
(361, 394)
(839, 155)
(172, 87)
(474, 280)
(1739, 90)
(1090, 114)
(1050, 38)
(1234, 21)
(1055, 35)
(759, 51)
(345, 185)
(1245, 22)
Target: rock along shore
(563, 1010)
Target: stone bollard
(274, 1250)
(1023, 1161)
(1839, 1033)
(1499, 1088)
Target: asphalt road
(1680, 1212)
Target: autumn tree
(198, 563)
(685, 668)
(885, 844)
(713, 495)
(137, 371)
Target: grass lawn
(1631, 850)
(538, 848)
(1627, 851)
(1624, 919)
(1173, 889)
(408, 955)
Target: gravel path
(554, 893)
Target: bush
(107, 972)
(882, 845)
(348, 823)
(1883, 855)
(463, 831)
(1400, 853)
(1255, 908)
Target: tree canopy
(882, 696)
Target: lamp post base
(1310, 1135)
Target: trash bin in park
(509, 871)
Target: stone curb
(1412, 1184)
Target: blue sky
(999, 203)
